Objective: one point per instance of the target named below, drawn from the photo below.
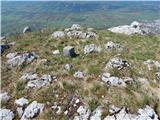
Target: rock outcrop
(91, 48)
(111, 45)
(112, 80)
(40, 82)
(138, 28)
(58, 34)
(117, 63)
(32, 110)
(76, 31)
(146, 113)
(6, 114)
(22, 59)
(79, 75)
(69, 51)
(21, 102)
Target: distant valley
(56, 15)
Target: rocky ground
(80, 73)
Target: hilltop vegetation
(90, 90)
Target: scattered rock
(33, 110)
(114, 109)
(58, 34)
(111, 45)
(22, 59)
(11, 55)
(112, 80)
(29, 76)
(26, 29)
(83, 113)
(56, 52)
(146, 113)
(22, 102)
(138, 28)
(4, 97)
(57, 108)
(40, 82)
(126, 29)
(76, 34)
(4, 47)
(79, 75)
(97, 113)
(69, 51)
(76, 27)
(128, 80)
(117, 63)
(6, 114)
(152, 63)
(19, 111)
(121, 115)
(91, 35)
(68, 67)
(135, 24)
(91, 48)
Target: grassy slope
(138, 49)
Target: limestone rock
(111, 45)
(26, 29)
(117, 63)
(40, 82)
(138, 28)
(76, 34)
(113, 81)
(22, 59)
(90, 48)
(11, 55)
(69, 51)
(57, 108)
(6, 114)
(114, 109)
(126, 29)
(19, 111)
(56, 52)
(76, 27)
(22, 102)
(29, 76)
(97, 113)
(68, 67)
(4, 97)
(33, 110)
(83, 113)
(58, 34)
(146, 113)
(152, 63)
(91, 35)
(121, 115)
(79, 75)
